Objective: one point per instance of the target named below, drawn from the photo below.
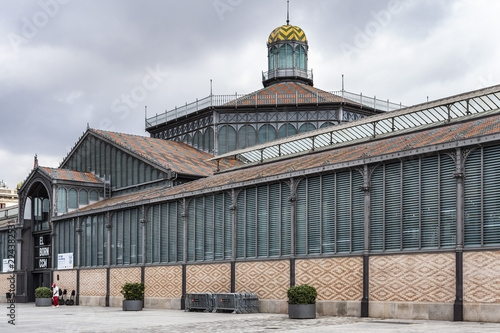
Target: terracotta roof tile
(286, 94)
(64, 174)
(385, 146)
(179, 157)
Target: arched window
(247, 136)
(196, 140)
(327, 124)
(286, 130)
(187, 139)
(267, 133)
(227, 139)
(286, 56)
(94, 196)
(273, 58)
(84, 197)
(61, 200)
(209, 139)
(306, 127)
(72, 199)
(300, 57)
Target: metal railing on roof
(440, 111)
(256, 99)
(287, 72)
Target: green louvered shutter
(393, 206)
(200, 229)
(314, 215)
(411, 204)
(358, 229)
(228, 227)
(328, 213)
(209, 228)
(473, 198)
(448, 196)
(430, 202)
(344, 212)
(377, 208)
(219, 226)
(251, 222)
(491, 219)
(156, 234)
(134, 232)
(274, 220)
(241, 225)
(172, 232)
(301, 223)
(113, 241)
(286, 221)
(179, 253)
(191, 236)
(262, 221)
(101, 253)
(126, 237)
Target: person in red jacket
(55, 295)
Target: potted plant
(43, 296)
(302, 302)
(133, 294)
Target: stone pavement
(32, 319)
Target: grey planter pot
(43, 301)
(301, 311)
(134, 305)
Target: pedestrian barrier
(223, 302)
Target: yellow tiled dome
(287, 32)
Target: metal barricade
(199, 301)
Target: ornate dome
(287, 33)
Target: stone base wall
(411, 310)
(338, 308)
(93, 300)
(162, 303)
(483, 312)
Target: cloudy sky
(68, 63)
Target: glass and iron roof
(284, 93)
(422, 115)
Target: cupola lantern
(287, 56)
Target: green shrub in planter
(303, 294)
(43, 292)
(133, 291)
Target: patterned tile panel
(413, 278)
(334, 278)
(268, 279)
(163, 281)
(119, 276)
(482, 277)
(93, 282)
(4, 283)
(215, 278)
(67, 280)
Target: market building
(389, 211)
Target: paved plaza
(32, 319)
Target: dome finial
(287, 12)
